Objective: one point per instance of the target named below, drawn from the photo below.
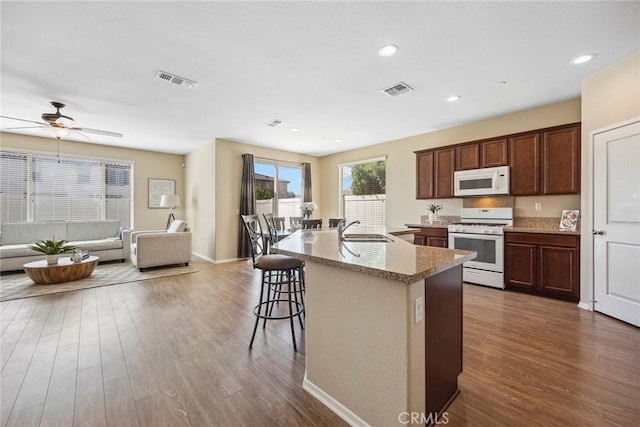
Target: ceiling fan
(60, 125)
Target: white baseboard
(585, 306)
(338, 408)
(222, 261)
(206, 258)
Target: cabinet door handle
(597, 232)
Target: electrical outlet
(538, 206)
(418, 310)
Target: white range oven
(481, 230)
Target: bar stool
(278, 271)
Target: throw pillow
(177, 226)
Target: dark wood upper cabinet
(494, 153)
(542, 161)
(444, 167)
(524, 160)
(468, 157)
(424, 175)
(561, 161)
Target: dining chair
(278, 271)
(311, 223)
(279, 223)
(333, 222)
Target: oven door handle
(478, 236)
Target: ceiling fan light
(58, 132)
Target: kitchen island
(383, 326)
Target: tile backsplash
(489, 202)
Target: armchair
(154, 248)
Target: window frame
(341, 204)
(32, 166)
(276, 164)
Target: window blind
(13, 187)
(38, 187)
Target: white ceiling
(313, 65)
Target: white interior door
(616, 222)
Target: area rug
(15, 286)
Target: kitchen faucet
(342, 228)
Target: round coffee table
(64, 271)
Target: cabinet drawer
(542, 239)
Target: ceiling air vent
(273, 123)
(180, 81)
(397, 89)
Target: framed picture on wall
(569, 220)
(158, 187)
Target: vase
(433, 216)
(307, 216)
(53, 259)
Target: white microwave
(482, 182)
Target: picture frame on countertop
(569, 219)
(158, 187)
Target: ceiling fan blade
(98, 131)
(24, 120)
(28, 127)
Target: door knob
(597, 232)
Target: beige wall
(402, 206)
(609, 97)
(228, 172)
(148, 164)
(200, 193)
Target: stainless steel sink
(363, 237)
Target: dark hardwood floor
(174, 351)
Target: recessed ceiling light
(338, 140)
(294, 130)
(453, 98)
(501, 83)
(583, 58)
(388, 50)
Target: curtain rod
(276, 160)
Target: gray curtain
(247, 203)
(306, 179)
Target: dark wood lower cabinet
(443, 339)
(546, 264)
(432, 236)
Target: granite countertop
(398, 260)
(543, 225)
(540, 230)
(435, 224)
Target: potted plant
(434, 208)
(52, 248)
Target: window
(278, 188)
(35, 187)
(363, 191)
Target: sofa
(156, 248)
(105, 239)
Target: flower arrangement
(307, 209)
(434, 208)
